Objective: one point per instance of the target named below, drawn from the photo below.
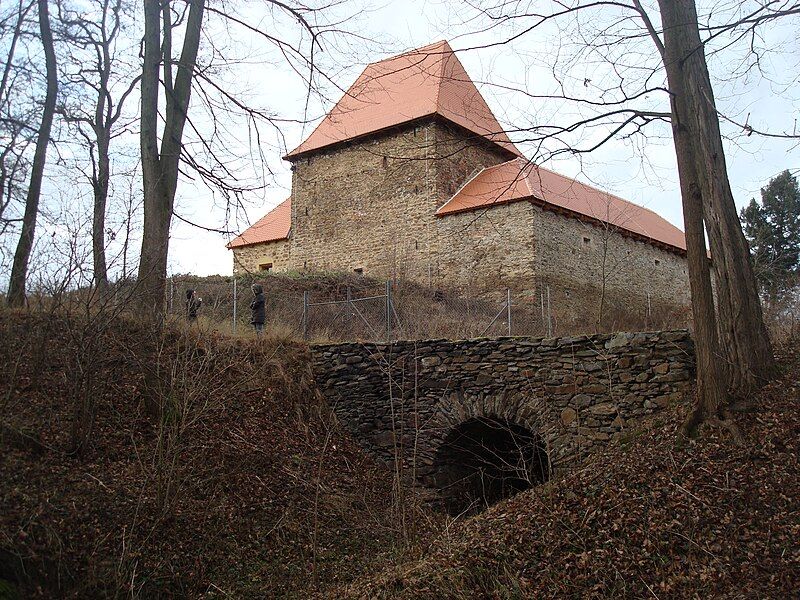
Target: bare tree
(95, 121)
(19, 270)
(163, 163)
(708, 199)
(160, 163)
(15, 132)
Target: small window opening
(358, 270)
(305, 264)
(265, 267)
(385, 161)
(306, 210)
(416, 245)
(658, 262)
(586, 240)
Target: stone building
(410, 175)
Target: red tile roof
(424, 82)
(272, 227)
(518, 179)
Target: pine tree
(773, 231)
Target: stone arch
(485, 459)
(487, 447)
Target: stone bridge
(480, 419)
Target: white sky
(645, 175)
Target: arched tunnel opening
(484, 460)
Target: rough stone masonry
(402, 400)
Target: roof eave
(434, 116)
(232, 246)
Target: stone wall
(487, 250)
(578, 393)
(249, 259)
(370, 205)
(527, 248)
(576, 258)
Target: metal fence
(360, 311)
(402, 312)
(357, 309)
(353, 318)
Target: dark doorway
(484, 460)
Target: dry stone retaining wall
(401, 400)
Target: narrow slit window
(266, 267)
(358, 270)
(586, 240)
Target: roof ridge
(441, 74)
(412, 51)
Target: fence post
(305, 315)
(388, 311)
(544, 325)
(508, 309)
(350, 309)
(234, 305)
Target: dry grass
(418, 311)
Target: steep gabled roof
(424, 82)
(272, 227)
(518, 179)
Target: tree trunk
(19, 270)
(711, 381)
(100, 185)
(103, 121)
(749, 361)
(160, 169)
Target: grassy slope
(254, 513)
(648, 520)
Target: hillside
(644, 520)
(208, 466)
(186, 464)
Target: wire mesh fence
(353, 318)
(325, 309)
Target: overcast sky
(643, 173)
